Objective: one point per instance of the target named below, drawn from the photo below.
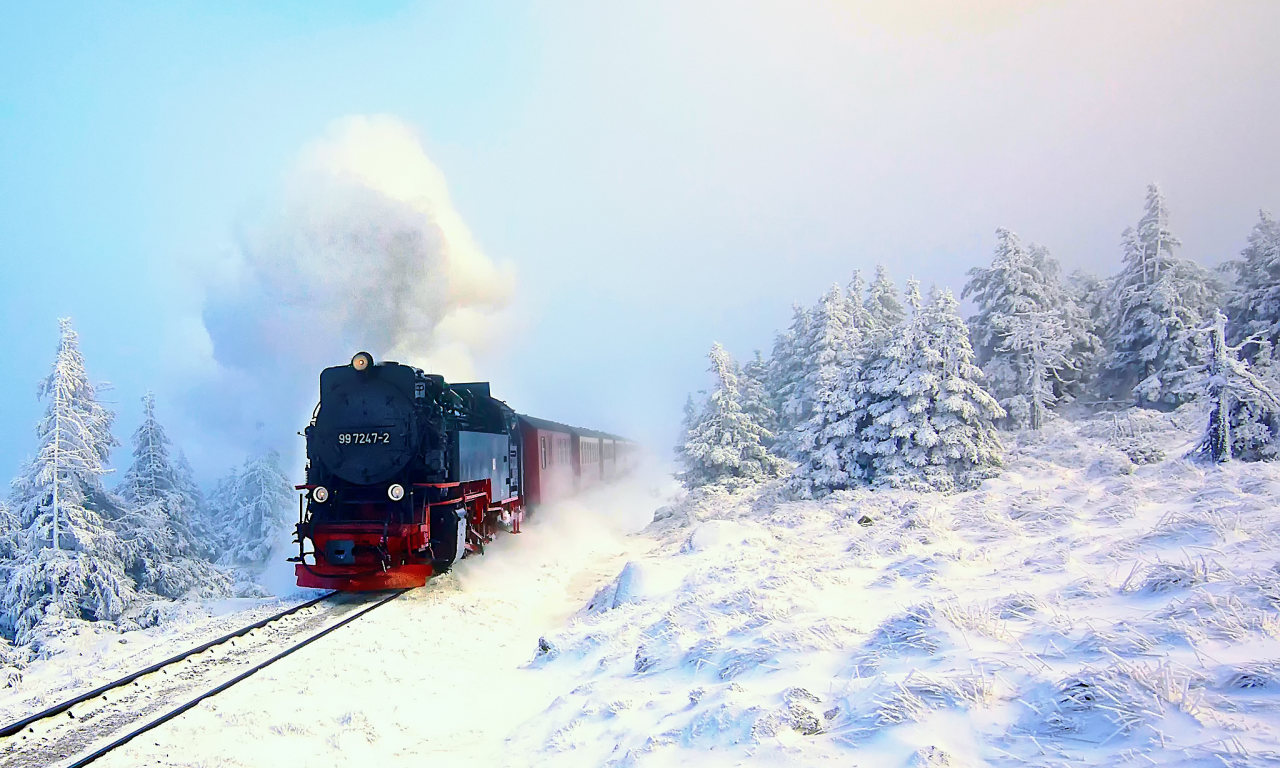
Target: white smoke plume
(365, 251)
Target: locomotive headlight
(395, 492)
(362, 361)
(320, 494)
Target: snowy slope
(1080, 609)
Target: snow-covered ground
(1077, 610)
(1080, 609)
(93, 654)
(437, 677)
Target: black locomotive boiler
(406, 474)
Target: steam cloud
(365, 252)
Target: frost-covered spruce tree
(220, 507)
(753, 379)
(1039, 341)
(261, 509)
(827, 350)
(856, 306)
(9, 530)
(687, 424)
(156, 522)
(922, 417)
(725, 443)
(822, 441)
(1089, 294)
(69, 564)
(202, 528)
(1253, 304)
(1022, 291)
(1013, 285)
(883, 306)
(1244, 413)
(1084, 349)
(1157, 302)
(785, 382)
(827, 460)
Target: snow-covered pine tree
(687, 424)
(827, 456)
(922, 418)
(1088, 296)
(725, 443)
(1022, 290)
(9, 531)
(1253, 304)
(1013, 285)
(856, 306)
(1244, 414)
(262, 510)
(220, 508)
(755, 397)
(836, 354)
(1038, 340)
(69, 564)
(822, 351)
(883, 306)
(155, 523)
(1089, 293)
(1157, 302)
(1080, 329)
(202, 527)
(785, 382)
(831, 340)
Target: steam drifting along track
(94, 723)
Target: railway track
(82, 729)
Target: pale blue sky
(677, 172)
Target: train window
(542, 450)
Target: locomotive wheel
(440, 566)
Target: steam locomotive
(407, 474)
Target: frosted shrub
(912, 631)
(1164, 577)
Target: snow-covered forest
(76, 547)
(877, 387)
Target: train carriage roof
(554, 426)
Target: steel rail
(57, 709)
(238, 678)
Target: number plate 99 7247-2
(364, 438)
